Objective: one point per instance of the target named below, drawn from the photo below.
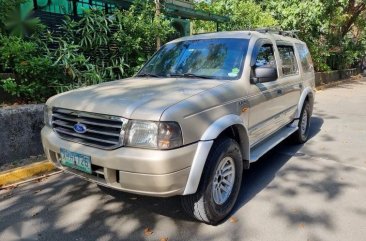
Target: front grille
(102, 131)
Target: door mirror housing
(264, 74)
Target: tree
(328, 27)
(244, 14)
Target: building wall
(63, 6)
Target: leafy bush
(14, 50)
(102, 47)
(34, 71)
(99, 47)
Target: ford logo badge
(80, 128)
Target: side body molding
(307, 91)
(204, 147)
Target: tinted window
(305, 58)
(265, 56)
(289, 64)
(209, 58)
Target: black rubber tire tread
(297, 138)
(200, 205)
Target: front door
(264, 98)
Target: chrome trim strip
(88, 130)
(87, 114)
(80, 120)
(85, 137)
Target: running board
(262, 148)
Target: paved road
(311, 192)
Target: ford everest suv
(201, 110)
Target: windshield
(203, 58)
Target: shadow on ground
(262, 172)
(63, 210)
(258, 177)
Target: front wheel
(220, 184)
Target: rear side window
(305, 58)
(289, 64)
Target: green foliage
(103, 47)
(14, 50)
(8, 8)
(327, 27)
(13, 23)
(33, 70)
(10, 86)
(244, 14)
(333, 29)
(99, 47)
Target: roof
(242, 35)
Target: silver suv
(201, 110)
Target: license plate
(76, 160)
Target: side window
(305, 58)
(289, 64)
(265, 56)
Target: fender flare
(205, 144)
(308, 91)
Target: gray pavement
(310, 192)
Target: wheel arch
(240, 135)
(231, 126)
(306, 95)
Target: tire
(302, 133)
(203, 206)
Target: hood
(133, 98)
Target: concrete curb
(22, 173)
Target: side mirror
(264, 74)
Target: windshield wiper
(149, 75)
(190, 75)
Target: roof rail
(277, 30)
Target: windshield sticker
(234, 72)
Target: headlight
(142, 134)
(154, 135)
(47, 115)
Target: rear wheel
(302, 134)
(220, 184)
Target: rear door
(290, 81)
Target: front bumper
(134, 170)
